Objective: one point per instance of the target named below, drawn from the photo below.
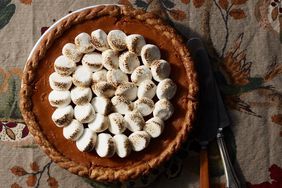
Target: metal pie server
(212, 116)
(207, 120)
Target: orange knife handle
(204, 169)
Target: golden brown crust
(104, 173)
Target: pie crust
(90, 165)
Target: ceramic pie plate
(35, 88)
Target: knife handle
(232, 180)
(204, 168)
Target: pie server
(212, 117)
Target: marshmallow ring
(114, 80)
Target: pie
(36, 103)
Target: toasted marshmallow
(154, 127)
(135, 43)
(128, 61)
(83, 43)
(127, 90)
(116, 77)
(99, 40)
(139, 140)
(149, 53)
(100, 75)
(99, 124)
(59, 82)
(117, 123)
(163, 109)
(82, 77)
(110, 59)
(105, 146)
(73, 131)
(70, 51)
(103, 89)
(144, 105)
(63, 116)
(84, 113)
(87, 140)
(140, 74)
(101, 105)
(59, 98)
(121, 104)
(123, 146)
(93, 61)
(160, 69)
(147, 88)
(135, 121)
(64, 66)
(116, 40)
(166, 89)
(81, 95)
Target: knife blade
(212, 127)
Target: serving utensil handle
(232, 180)
(204, 168)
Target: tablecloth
(244, 42)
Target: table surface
(244, 41)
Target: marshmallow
(166, 89)
(135, 121)
(149, 53)
(128, 61)
(101, 105)
(100, 75)
(84, 113)
(105, 146)
(83, 43)
(147, 88)
(123, 146)
(59, 98)
(93, 61)
(116, 77)
(127, 90)
(103, 89)
(144, 105)
(117, 123)
(140, 74)
(70, 51)
(82, 77)
(99, 40)
(99, 124)
(63, 116)
(116, 40)
(160, 69)
(121, 104)
(64, 66)
(73, 131)
(81, 95)
(154, 127)
(59, 82)
(139, 140)
(163, 109)
(135, 43)
(87, 140)
(110, 59)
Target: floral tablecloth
(244, 42)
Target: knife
(211, 104)
(232, 180)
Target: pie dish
(37, 111)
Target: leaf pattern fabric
(244, 42)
